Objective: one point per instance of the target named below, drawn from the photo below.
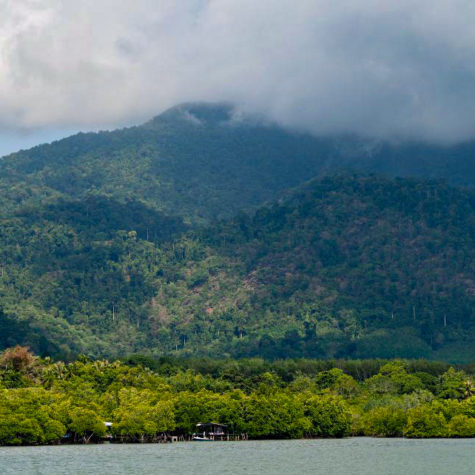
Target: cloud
(401, 69)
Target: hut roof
(209, 424)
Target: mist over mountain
(399, 70)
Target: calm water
(348, 456)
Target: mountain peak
(201, 114)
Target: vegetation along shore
(146, 400)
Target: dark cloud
(385, 69)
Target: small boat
(197, 438)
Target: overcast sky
(402, 69)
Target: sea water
(359, 455)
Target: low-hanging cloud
(402, 69)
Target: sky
(393, 70)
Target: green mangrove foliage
(48, 402)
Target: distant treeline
(50, 402)
(286, 369)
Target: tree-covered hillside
(71, 269)
(205, 161)
(342, 267)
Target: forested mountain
(138, 240)
(342, 266)
(206, 161)
(197, 162)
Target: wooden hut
(211, 431)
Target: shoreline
(188, 441)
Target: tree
(424, 422)
(86, 424)
(386, 421)
(461, 426)
(455, 385)
(142, 415)
(18, 359)
(329, 415)
(394, 378)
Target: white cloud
(404, 69)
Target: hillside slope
(343, 266)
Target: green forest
(50, 402)
(343, 266)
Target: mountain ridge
(212, 170)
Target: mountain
(199, 162)
(207, 161)
(157, 239)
